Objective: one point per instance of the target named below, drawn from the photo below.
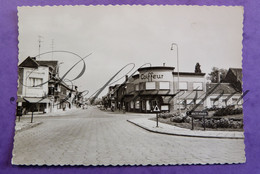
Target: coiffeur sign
(156, 76)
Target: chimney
(163, 64)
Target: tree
(197, 68)
(217, 75)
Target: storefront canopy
(36, 100)
(20, 99)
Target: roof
(189, 73)
(136, 76)
(49, 63)
(237, 72)
(157, 68)
(225, 88)
(29, 62)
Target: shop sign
(151, 76)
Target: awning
(37, 100)
(20, 99)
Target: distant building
(234, 77)
(228, 92)
(224, 95)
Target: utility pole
(178, 97)
(52, 46)
(40, 41)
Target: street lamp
(174, 44)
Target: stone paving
(94, 137)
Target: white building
(33, 86)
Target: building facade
(158, 86)
(40, 89)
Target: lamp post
(174, 44)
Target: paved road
(94, 137)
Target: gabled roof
(29, 62)
(222, 88)
(237, 72)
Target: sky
(118, 35)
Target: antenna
(52, 46)
(40, 41)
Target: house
(40, 89)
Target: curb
(184, 135)
(28, 127)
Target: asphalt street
(94, 137)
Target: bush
(228, 111)
(177, 119)
(165, 115)
(222, 123)
(187, 119)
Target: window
(150, 85)
(137, 87)
(234, 101)
(137, 105)
(213, 102)
(197, 86)
(181, 103)
(198, 101)
(143, 105)
(148, 106)
(142, 86)
(223, 103)
(131, 104)
(35, 82)
(164, 85)
(190, 101)
(183, 86)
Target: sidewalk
(150, 125)
(25, 124)
(59, 112)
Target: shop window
(137, 87)
(131, 104)
(164, 85)
(137, 105)
(197, 86)
(148, 106)
(183, 86)
(150, 85)
(143, 105)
